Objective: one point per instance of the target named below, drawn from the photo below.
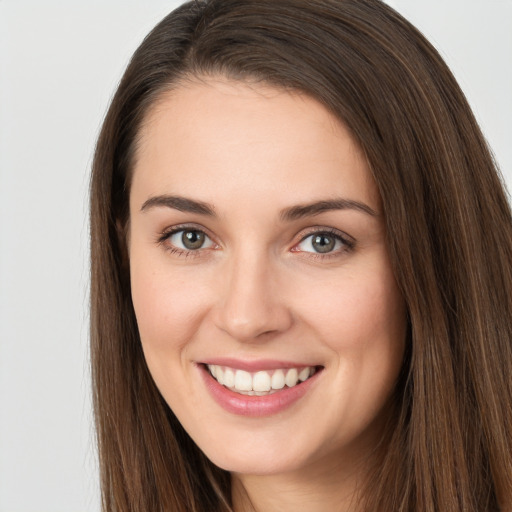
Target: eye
(323, 242)
(189, 240)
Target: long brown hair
(449, 232)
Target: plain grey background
(59, 64)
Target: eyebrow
(184, 204)
(318, 207)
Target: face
(268, 312)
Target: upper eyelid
(163, 239)
(165, 233)
(324, 229)
(348, 242)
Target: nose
(252, 304)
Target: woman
(301, 279)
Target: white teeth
(243, 380)
(262, 382)
(229, 378)
(303, 375)
(292, 376)
(278, 381)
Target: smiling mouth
(260, 383)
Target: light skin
(263, 181)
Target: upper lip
(254, 365)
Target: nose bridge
(251, 304)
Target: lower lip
(255, 406)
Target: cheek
(168, 313)
(362, 319)
(365, 329)
(359, 310)
(167, 306)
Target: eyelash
(348, 243)
(165, 236)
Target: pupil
(323, 243)
(192, 239)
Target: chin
(258, 456)
(254, 464)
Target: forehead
(220, 137)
